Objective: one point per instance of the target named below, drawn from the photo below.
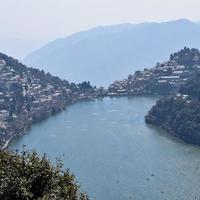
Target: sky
(33, 23)
(50, 19)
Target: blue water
(114, 154)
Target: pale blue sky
(56, 18)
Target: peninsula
(178, 80)
(180, 114)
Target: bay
(114, 154)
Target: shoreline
(7, 142)
(73, 101)
(173, 134)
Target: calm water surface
(115, 155)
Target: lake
(114, 154)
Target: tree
(26, 176)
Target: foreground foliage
(26, 176)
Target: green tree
(26, 176)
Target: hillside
(28, 95)
(163, 79)
(105, 54)
(180, 114)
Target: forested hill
(187, 57)
(180, 115)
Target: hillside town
(163, 79)
(29, 95)
(179, 114)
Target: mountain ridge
(95, 53)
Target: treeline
(187, 57)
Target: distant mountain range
(104, 54)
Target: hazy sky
(50, 19)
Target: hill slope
(180, 114)
(29, 95)
(105, 54)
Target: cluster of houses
(24, 99)
(164, 78)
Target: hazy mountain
(105, 54)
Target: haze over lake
(114, 154)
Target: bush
(26, 176)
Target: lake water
(114, 154)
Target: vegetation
(26, 176)
(84, 86)
(192, 86)
(179, 117)
(187, 57)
